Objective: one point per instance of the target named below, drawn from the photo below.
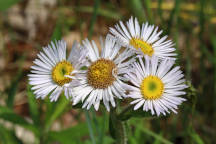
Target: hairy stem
(117, 128)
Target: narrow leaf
(8, 136)
(8, 115)
(57, 110)
(33, 108)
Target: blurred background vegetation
(27, 25)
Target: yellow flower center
(60, 70)
(100, 73)
(152, 87)
(140, 44)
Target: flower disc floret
(100, 73)
(142, 45)
(152, 87)
(60, 70)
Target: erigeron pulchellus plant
(132, 63)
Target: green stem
(118, 128)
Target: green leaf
(57, 109)
(69, 136)
(8, 136)
(8, 115)
(5, 4)
(57, 33)
(33, 108)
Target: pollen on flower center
(60, 70)
(140, 44)
(100, 73)
(152, 87)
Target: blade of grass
(147, 4)
(90, 128)
(14, 85)
(137, 9)
(213, 41)
(56, 112)
(57, 33)
(8, 136)
(156, 136)
(201, 37)
(33, 108)
(95, 122)
(188, 59)
(101, 12)
(93, 18)
(8, 115)
(174, 15)
(160, 12)
(194, 136)
(174, 19)
(102, 131)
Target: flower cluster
(132, 62)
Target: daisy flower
(145, 39)
(102, 80)
(156, 85)
(52, 73)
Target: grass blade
(101, 12)
(8, 137)
(174, 15)
(14, 85)
(56, 111)
(90, 128)
(93, 18)
(148, 8)
(8, 115)
(137, 9)
(33, 108)
(156, 136)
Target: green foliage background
(192, 26)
